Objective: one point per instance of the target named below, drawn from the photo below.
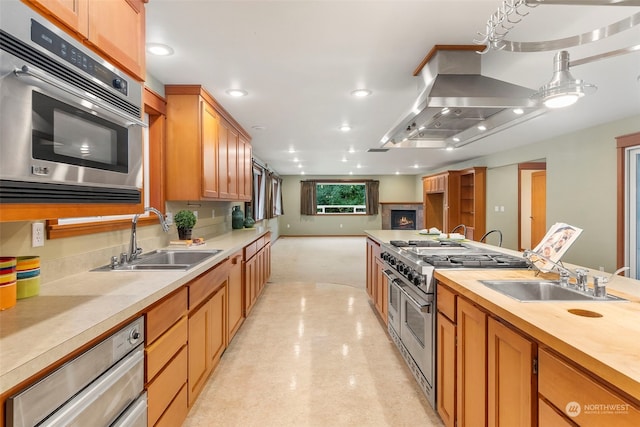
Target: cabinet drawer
(166, 386)
(549, 416)
(165, 347)
(177, 411)
(562, 384)
(164, 315)
(204, 285)
(250, 250)
(446, 302)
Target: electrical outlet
(37, 234)
(196, 214)
(340, 225)
(213, 213)
(169, 218)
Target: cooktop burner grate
(475, 261)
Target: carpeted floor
(312, 352)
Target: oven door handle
(26, 71)
(424, 307)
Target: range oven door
(417, 330)
(394, 301)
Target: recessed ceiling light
(257, 127)
(397, 172)
(450, 148)
(358, 165)
(344, 159)
(518, 111)
(456, 139)
(299, 165)
(352, 150)
(302, 173)
(292, 150)
(345, 128)
(482, 127)
(159, 49)
(361, 93)
(237, 92)
(295, 159)
(350, 173)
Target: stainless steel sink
(164, 260)
(541, 290)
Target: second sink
(541, 290)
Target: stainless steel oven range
(410, 268)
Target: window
(339, 197)
(267, 194)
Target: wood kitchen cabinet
(208, 152)
(235, 307)
(569, 396)
(456, 197)
(512, 384)
(207, 325)
(166, 360)
(257, 270)
(115, 29)
(485, 369)
(382, 290)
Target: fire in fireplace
(403, 219)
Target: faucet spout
(134, 250)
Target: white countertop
(70, 312)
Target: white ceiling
(300, 59)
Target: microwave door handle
(30, 72)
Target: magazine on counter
(555, 243)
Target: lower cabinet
(235, 303)
(166, 360)
(569, 396)
(484, 368)
(257, 270)
(376, 282)
(207, 325)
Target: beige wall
(393, 188)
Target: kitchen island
(598, 340)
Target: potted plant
(184, 220)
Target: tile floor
(311, 354)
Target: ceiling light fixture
(563, 89)
(518, 111)
(237, 93)
(352, 150)
(361, 93)
(258, 127)
(482, 127)
(345, 128)
(456, 139)
(159, 49)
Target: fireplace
(403, 219)
(402, 216)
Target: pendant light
(563, 89)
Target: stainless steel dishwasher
(103, 386)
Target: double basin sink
(542, 290)
(164, 259)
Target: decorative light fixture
(236, 93)
(159, 49)
(563, 89)
(361, 93)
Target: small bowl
(27, 262)
(28, 287)
(26, 274)
(8, 296)
(8, 278)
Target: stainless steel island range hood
(457, 105)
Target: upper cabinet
(208, 152)
(116, 28)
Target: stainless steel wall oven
(71, 127)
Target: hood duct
(457, 105)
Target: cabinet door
(223, 166)
(512, 386)
(199, 330)
(117, 28)
(235, 304)
(446, 370)
(72, 13)
(247, 175)
(249, 279)
(218, 328)
(382, 290)
(209, 151)
(232, 163)
(471, 381)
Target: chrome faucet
(600, 283)
(134, 250)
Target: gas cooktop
(475, 261)
(432, 243)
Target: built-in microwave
(70, 127)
